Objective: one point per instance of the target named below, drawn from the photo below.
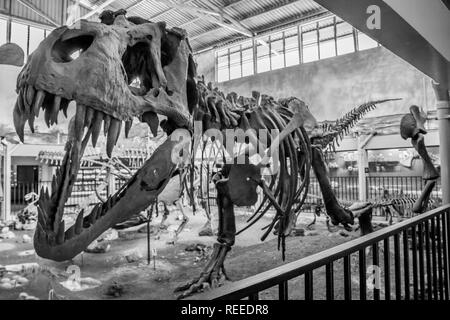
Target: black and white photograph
(197, 151)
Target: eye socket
(67, 49)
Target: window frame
(301, 29)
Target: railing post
(443, 113)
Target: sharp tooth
(79, 223)
(108, 205)
(70, 234)
(79, 121)
(54, 185)
(19, 122)
(30, 96)
(99, 213)
(128, 126)
(47, 117)
(107, 119)
(152, 120)
(93, 216)
(20, 102)
(89, 117)
(31, 118)
(40, 96)
(26, 106)
(61, 233)
(41, 235)
(55, 110)
(64, 107)
(96, 127)
(113, 135)
(42, 217)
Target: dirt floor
(123, 272)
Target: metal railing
(19, 190)
(79, 194)
(345, 188)
(406, 261)
(411, 185)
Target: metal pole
(363, 165)
(149, 218)
(7, 178)
(443, 113)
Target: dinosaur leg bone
(211, 275)
(184, 221)
(421, 204)
(429, 170)
(363, 211)
(334, 209)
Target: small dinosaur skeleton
(102, 80)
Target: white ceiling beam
(97, 10)
(182, 6)
(223, 14)
(39, 12)
(260, 14)
(213, 44)
(216, 16)
(157, 16)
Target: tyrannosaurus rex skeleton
(102, 80)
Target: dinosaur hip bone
(412, 126)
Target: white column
(3, 204)
(443, 113)
(363, 164)
(7, 183)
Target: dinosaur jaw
(52, 240)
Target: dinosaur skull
(114, 73)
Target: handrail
(268, 279)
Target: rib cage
(290, 185)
